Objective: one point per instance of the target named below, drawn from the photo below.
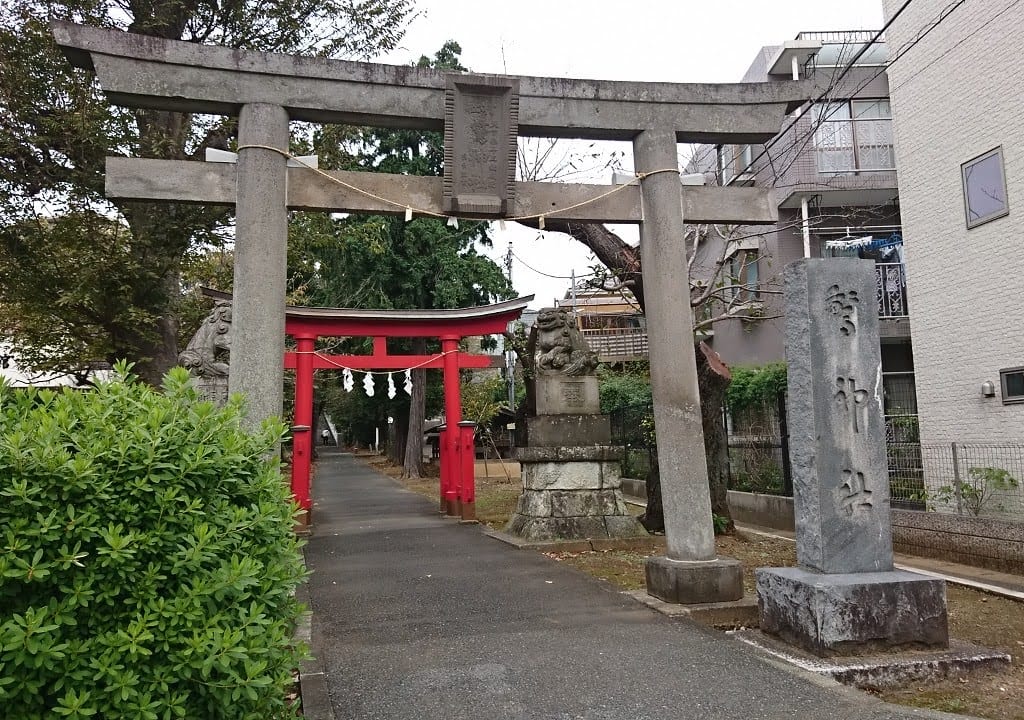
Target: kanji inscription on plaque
(573, 394)
(481, 126)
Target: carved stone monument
(570, 471)
(206, 355)
(845, 597)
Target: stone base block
(542, 529)
(560, 394)
(563, 430)
(855, 613)
(886, 669)
(689, 582)
(571, 493)
(730, 615)
(571, 476)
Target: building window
(734, 160)
(854, 136)
(1012, 382)
(984, 188)
(744, 158)
(726, 164)
(743, 277)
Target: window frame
(1010, 399)
(996, 151)
(854, 121)
(741, 264)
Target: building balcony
(891, 281)
(854, 146)
(617, 344)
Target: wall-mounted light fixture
(988, 389)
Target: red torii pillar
(457, 487)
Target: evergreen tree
(57, 128)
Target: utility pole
(510, 355)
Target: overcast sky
(649, 40)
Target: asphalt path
(418, 617)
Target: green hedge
(148, 561)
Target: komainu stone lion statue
(207, 351)
(559, 346)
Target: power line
(957, 44)
(849, 66)
(903, 50)
(541, 272)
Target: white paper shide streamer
(408, 382)
(347, 381)
(391, 386)
(368, 384)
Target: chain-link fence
(963, 478)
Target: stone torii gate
(481, 116)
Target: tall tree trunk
(396, 433)
(413, 465)
(714, 377)
(653, 518)
(623, 260)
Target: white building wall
(955, 95)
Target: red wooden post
(444, 464)
(467, 497)
(302, 430)
(452, 417)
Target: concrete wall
(980, 542)
(770, 511)
(955, 96)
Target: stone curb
(316, 702)
(654, 542)
(737, 613)
(883, 670)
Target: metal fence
(633, 430)
(964, 478)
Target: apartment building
(834, 172)
(959, 143)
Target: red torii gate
(306, 324)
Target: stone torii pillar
(261, 261)
(690, 573)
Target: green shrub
(623, 389)
(754, 387)
(148, 561)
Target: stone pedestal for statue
(572, 484)
(845, 598)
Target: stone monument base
(572, 493)
(689, 582)
(854, 613)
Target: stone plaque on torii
(267, 90)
